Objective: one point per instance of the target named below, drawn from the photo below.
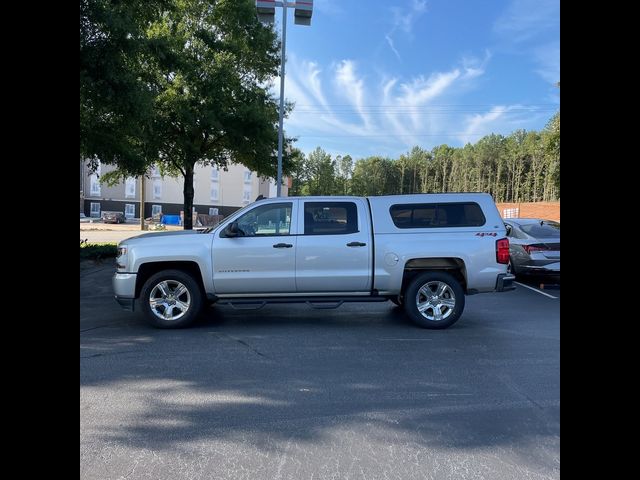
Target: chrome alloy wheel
(169, 300)
(435, 301)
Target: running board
(247, 303)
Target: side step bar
(251, 303)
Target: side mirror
(231, 230)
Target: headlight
(121, 263)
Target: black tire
(170, 280)
(452, 293)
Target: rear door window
(330, 218)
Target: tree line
(521, 167)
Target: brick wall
(543, 210)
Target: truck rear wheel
(171, 299)
(434, 300)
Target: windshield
(542, 229)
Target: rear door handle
(356, 244)
(282, 245)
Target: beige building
(216, 192)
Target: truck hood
(147, 236)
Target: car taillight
(534, 248)
(502, 251)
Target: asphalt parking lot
(287, 392)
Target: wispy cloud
(404, 19)
(525, 19)
(399, 113)
(500, 118)
(527, 26)
(392, 46)
(548, 59)
(352, 87)
(482, 122)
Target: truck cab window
(267, 220)
(330, 218)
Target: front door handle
(282, 245)
(356, 244)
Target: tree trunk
(188, 197)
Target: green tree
(297, 171)
(344, 170)
(375, 176)
(443, 158)
(551, 142)
(212, 81)
(195, 88)
(319, 173)
(116, 101)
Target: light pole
(302, 16)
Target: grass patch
(97, 251)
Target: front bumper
(126, 303)
(505, 282)
(124, 287)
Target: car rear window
(437, 215)
(542, 229)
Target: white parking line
(406, 339)
(535, 290)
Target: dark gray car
(113, 217)
(534, 246)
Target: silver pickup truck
(424, 252)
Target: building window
(157, 189)
(215, 174)
(95, 210)
(95, 181)
(130, 188)
(214, 192)
(246, 195)
(156, 210)
(247, 176)
(129, 210)
(155, 172)
(95, 185)
(213, 211)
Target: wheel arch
(452, 265)
(146, 270)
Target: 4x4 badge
(488, 234)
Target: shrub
(97, 251)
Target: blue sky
(378, 77)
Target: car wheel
(171, 299)
(434, 300)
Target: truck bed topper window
(437, 215)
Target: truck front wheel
(171, 299)
(434, 300)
